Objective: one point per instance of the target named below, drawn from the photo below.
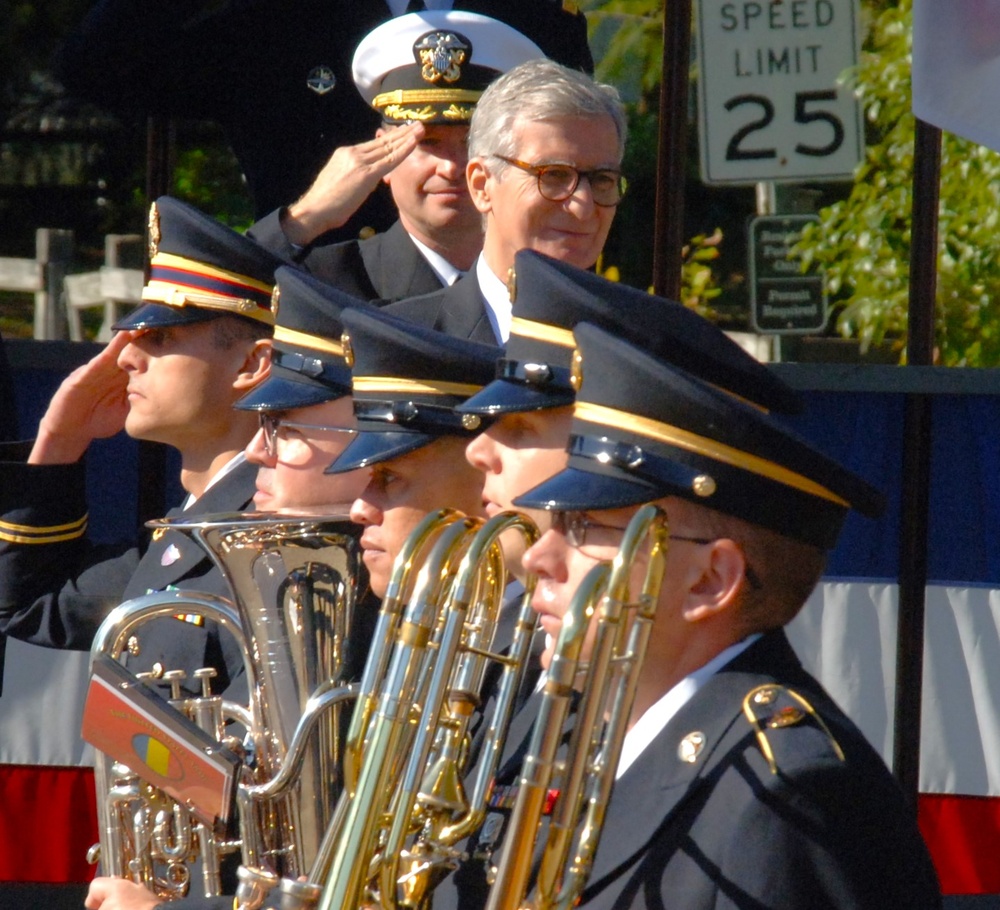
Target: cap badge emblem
(441, 55)
(321, 79)
(690, 747)
(345, 343)
(275, 298)
(576, 370)
(512, 284)
(154, 230)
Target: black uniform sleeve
(55, 586)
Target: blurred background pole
(160, 149)
(668, 233)
(916, 463)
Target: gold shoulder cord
(761, 710)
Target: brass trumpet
(585, 777)
(405, 805)
(294, 582)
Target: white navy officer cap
(433, 66)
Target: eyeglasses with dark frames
(557, 182)
(271, 424)
(574, 526)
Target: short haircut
(539, 90)
(786, 570)
(230, 330)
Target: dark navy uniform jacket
(458, 310)
(724, 831)
(56, 587)
(384, 267)
(247, 65)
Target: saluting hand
(91, 403)
(347, 179)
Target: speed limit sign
(771, 108)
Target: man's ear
(255, 367)
(718, 575)
(478, 176)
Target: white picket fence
(61, 295)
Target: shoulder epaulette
(774, 707)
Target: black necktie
(416, 6)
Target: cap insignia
(703, 486)
(321, 79)
(441, 55)
(345, 342)
(576, 370)
(275, 298)
(154, 230)
(512, 284)
(690, 747)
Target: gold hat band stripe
(52, 538)
(424, 96)
(171, 295)
(305, 340)
(169, 260)
(542, 331)
(43, 529)
(701, 445)
(398, 384)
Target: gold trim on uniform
(30, 534)
(787, 715)
(512, 284)
(275, 299)
(172, 261)
(542, 331)
(305, 340)
(399, 384)
(576, 370)
(702, 445)
(171, 295)
(427, 96)
(154, 230)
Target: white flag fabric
(956, 67)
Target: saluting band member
(740, 782)
(171, 374)
(423, 74)
(306, 418)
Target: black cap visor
(159, 315)
(285, 389)
(373, 446)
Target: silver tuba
(294, 583)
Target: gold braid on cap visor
(542, 331)
(399, 384)
(684, 439)
(304, 340)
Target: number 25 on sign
(770, 106)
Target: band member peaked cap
(307, 358)
(433, 66)
(407, 381)
(549, 298)
(200, 269)
(644, 429)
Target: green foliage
(863, 242)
